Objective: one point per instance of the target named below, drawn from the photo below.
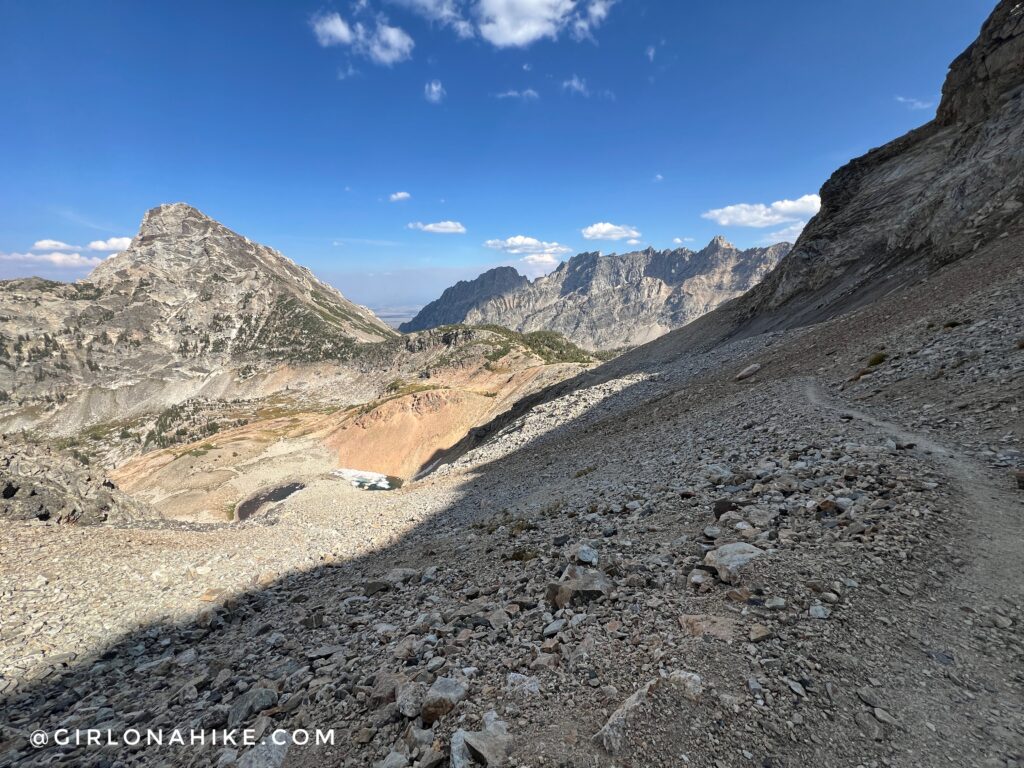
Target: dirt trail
(994, 509)
(961, 693)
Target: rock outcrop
(937, 194)
(458, 300)
(47, 485)
(620, 300)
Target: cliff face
(901, 211)
(459, 299)
(604, 302)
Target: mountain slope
(604, 302)
(193, 270)
(187, 306)
(458, 300)
(949, 190)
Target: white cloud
(633, 241)
(651, 51)
(538, 257)
(434, 92)
(786, 234)
(526, 95)
(439, 227)
(331, 29)
(56, 259)
(584, 23)
(521, 245)
(576, 84)
(681, 240)
(347, 71)
(915, 103)
(541, 260)
(604, 230)
(445, 12)
(389, 45)
(537, 264)
(658, 177)
(395, 197)
(110, 244)
(53, 245)
(761, 215)
(383, 44)
(518, 23)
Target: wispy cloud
(527, 94)
(579, 86)
(914, 103)
(331, 29)
(447, 13)
(576, 84)
(439, 227)
(761, 215)
(537, 257)
(56, 259)
(520, 245)
(604, 230)
(682, 240)
(397, 197)
(110, 244)
(786, 234)
(53, 245)
(381, 42)
(434, 92)
(593, 16)
(651, 52)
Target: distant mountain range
(606, 302)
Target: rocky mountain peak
(188, 296)
(986, 75)
(175, 219)
(719, 242)
(453, 304)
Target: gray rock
(729, 559)
(249, 703)
(612, 735)
(409, 698)
(442, 698)
(268, 753)
(578, 586)
(489, 747)
(747, 372)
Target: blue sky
(520, 131)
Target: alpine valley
(723, 507)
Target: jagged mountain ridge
(605, 302)
(458, 300)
